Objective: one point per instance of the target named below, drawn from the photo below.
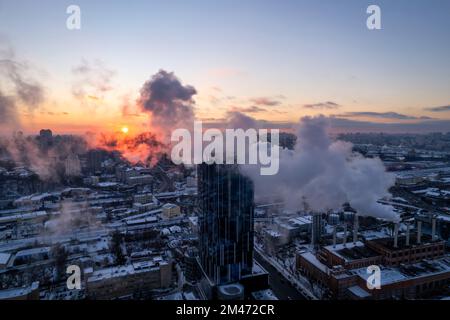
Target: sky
(273, 60)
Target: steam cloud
(8, 112)
(47, 161)
(93, 81)
(239, 120)
(71, 216)
(28, 91)
(24, 89)
(169, 102)
(326, 174)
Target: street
(279, 285)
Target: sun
(124, 130)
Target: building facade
(226, 209)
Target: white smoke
(72, 216)
(326, 174)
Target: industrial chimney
(433, 228)
(419, 231)
(407, 234)
(355, 229)
(334, 236)
(396, 235)
(345, 235)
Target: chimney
(396, 235)
(355, 229)
(433, 228)
(334, 237)
(419, 231)
(407, 234)
(345, 235)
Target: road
(279, 285)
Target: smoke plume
(168, 101)
(239, 120)
(22, 88)
(93, 81)
(27, 90)
(72, 215)
(45, 157)
(8, 114)
(326, 174)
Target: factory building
(124, 281)
(412, 265)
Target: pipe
(344, 242)
(334, 237)
(355, 229)
(419, 231)
(433, 229)
(396, 235)
(407, 234)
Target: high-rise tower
(226, 205)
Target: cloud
(383, 115)
(265, 101)
(251, 109)
(347, 125)
(93, 80)
(339, 125)
(439, 109)
(322, 105)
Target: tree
(60, 255)
(116, 248)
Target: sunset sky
(272, 60)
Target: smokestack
(334, 237)
(407, 234)
(355, 229)
(433, 228)
(396, 235)
(345, 235)
(419, 231)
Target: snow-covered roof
(4, 258)
(311, 258)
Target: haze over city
(233, 151)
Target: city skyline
(231, 153)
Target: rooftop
(417, 270)
(4, 258)
(18, 292)
(352, 251)
(129, 269)
(388, 242)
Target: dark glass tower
(226, 222)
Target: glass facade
(226, 205)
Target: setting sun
(124, 129)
